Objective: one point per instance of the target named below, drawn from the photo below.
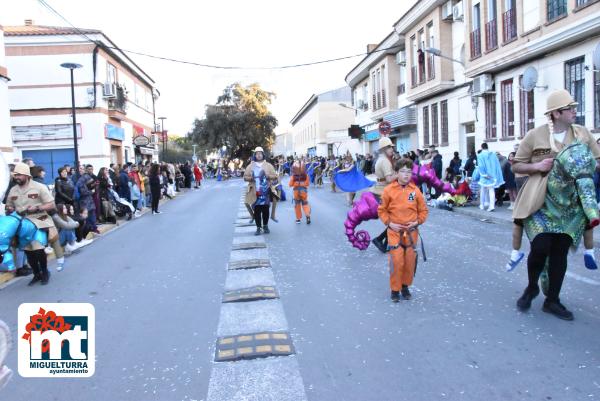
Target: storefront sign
(114, 132)
(44, 132)
(141, 140)
(372, 135)
(146, 151)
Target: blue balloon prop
(352, 180)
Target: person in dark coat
(63, 188)
(455, 164)
(124, 191)
(187, 175)
(470, 164)
(155, 187)
(437, 166)
(87, 187)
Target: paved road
(157, 284)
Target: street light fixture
(162, 130)
(438, 53)
(347, 107)
(71, 67)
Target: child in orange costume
(300, 182)
(402, 210)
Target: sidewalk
(6, 277)
(501, 215)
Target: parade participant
(348, 165)
(197, 175)
(318, 176)
(34, 200)
(275, 196)
(258, 175)
(549, 235)
(490, 177)
(402, 210)
(300, 183)
(384, 170)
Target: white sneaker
(48, 250)
(60, 267)
(137, 213)
(84, 242)
(70, 248)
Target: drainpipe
(94, 68)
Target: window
(434, 125)
(476, 32)
(421, 56)
(414, 60)
(425, 125)
(531, 15)
(597, 100)
(374, 90)
(509, 20)
(490, 115)
(526, 101)
(575, 84)
(581, 3)
(378, 88)
(444, 121)
(556, 9)
(111, 73)
(382, 86)
(508, 109)
(491, 27)
(430, 57)
(402, 85)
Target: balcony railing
(421, 73)
(119, 102)
(509, 24)
(401, 89)
(476, 43)
(413, 76)
(491, 35)
(383, 101)
(430, 67)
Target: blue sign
(372, 135)
(114, 132)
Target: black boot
(45, 276)
(381, 242)
(524, 303)
(406, 293)
(557, 309)
(35, 279)
(307, 219)
(258, 231)
(395, 296)
(266, 230)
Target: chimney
(371, 47)
(28, 22)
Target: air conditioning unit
(447, 12)
(109, 91)
(457, 11)
(401, 57)
(482, 84)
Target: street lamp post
(438, 53)
(162, 129)
(71, 67)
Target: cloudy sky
(261, 33)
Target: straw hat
(23, 169)
(384, 142)
(558, 100)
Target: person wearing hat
(259, 175)
(32, 199)
(535, 158)
(384, 170)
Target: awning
(402, 117)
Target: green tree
(240, 120)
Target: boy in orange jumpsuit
(402, 210)
(300, 182)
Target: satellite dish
(596, 57)
(530, 77)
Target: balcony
(475, 43)
(421, 73)
(491, 35)
(430, 67)
(119, 102)
(509, 25)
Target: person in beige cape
(259, 174)
(535, 158)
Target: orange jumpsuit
(300, 184)
(402, 205)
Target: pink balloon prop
(364, 209)
(425, 174)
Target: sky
(260, 33)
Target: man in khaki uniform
(33, 200)
(535, 158)
(384, 170)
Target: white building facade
(5, 138)
(114, 99)
(328, 111)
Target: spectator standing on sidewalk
(155, 187)
(63, 188)
(124, 191)
(86, 186)
(35, 201)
